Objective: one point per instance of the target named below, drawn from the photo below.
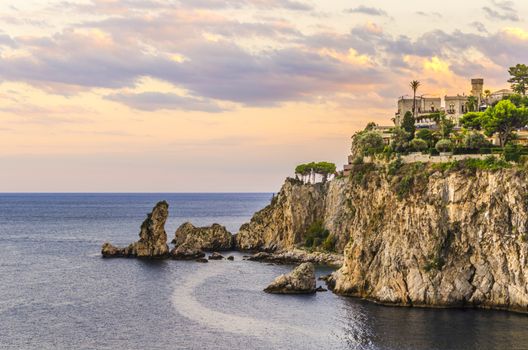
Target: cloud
(153, 101)
(266, 4)
(501, 10)
(215, 58)
(429, 14)
(479, 26)
(366, 10)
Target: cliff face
(283, 224)
(425, 239)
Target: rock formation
(283, 224)
(300, 281)
(297, 256)
(152, 241)
(420, 236)
(209, 238)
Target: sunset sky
(219, 95)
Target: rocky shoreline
(443, 242)
(298, 256)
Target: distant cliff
(417, 235)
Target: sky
(219, 95)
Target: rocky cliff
(418, 235)
(283, 224)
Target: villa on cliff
(455, 106)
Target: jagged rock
(283, 224)
(110, 251)
(297, 256)
(231, 257)
(300, 281)
(210, 238)
(152, 241)
(216, 256)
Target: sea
(56, 292)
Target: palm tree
(487, 96)
(415, 84)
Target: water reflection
(371, 326)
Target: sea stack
(152, 241)
(300, 281)
(191, 241)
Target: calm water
(57, 293)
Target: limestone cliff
(420, 236)
(283, 224)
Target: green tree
(511, 152)
(418, 145)
(400, 140)
(475, 140)
(426, 135)
(408, 124)
(415, 84)
(324, 169)
(518, 100)
(367, 143)
(472, 120)
(371, 126)
(503, 120)
(487, 96)
(444, 145)
(519, 78)
(471, 104)
(446, 126)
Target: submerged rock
(231, 258)
(152, 241)
(216, 256)
(321, 289)
(185, 253)
(209, 238)
(202, 260)
(300, 281)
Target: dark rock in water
(181, 253)
(152, 241)
(110, 251)
(300, 281)
(209, 238)
(202, 260)
(321, 289)
(231, 257)
(216, 256)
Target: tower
(477, 88)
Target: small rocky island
(190, 242)
(300, 281)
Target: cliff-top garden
(491, 128)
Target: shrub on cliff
(512, 153)
(475, 140)
(367, 143)
(316, 235)
(418, 145)
(400, 140)
(444, 145)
